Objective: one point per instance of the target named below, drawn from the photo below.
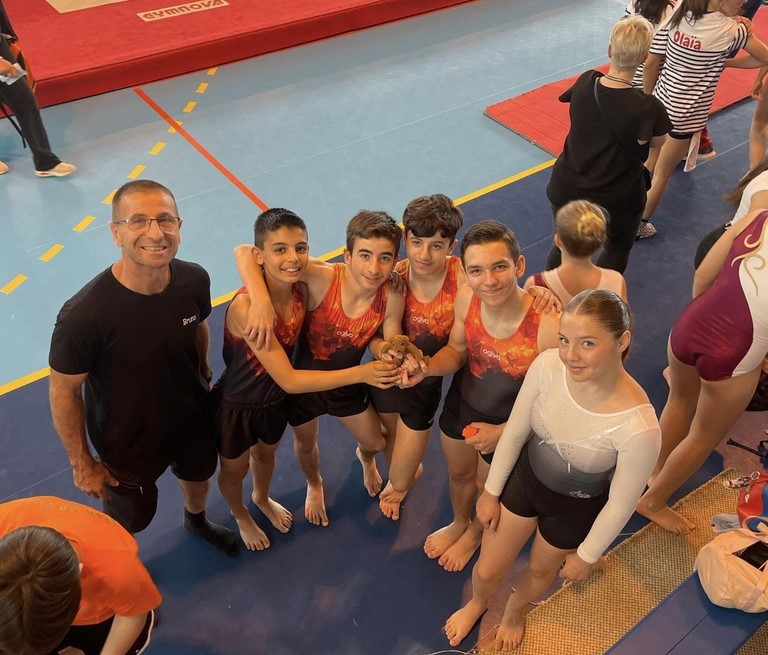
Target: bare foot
(441, 540)
(665, 516)
(390, 500)
(460, 623)
(509, 634)
(278, 516)
(371, 478)
(314, 505)
(456, 557)
(252, 535)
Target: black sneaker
(706, 152)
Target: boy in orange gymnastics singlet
(348, 304)
(251, 397)
(495, 337)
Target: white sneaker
(60, 170)
(3, 168)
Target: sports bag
(752, 508)
(732, 569)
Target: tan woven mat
(588, 618)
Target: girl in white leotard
(576, 481)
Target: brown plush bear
(402, 345)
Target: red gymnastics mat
(541, 118)
(111, 44)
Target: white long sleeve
(591, 442)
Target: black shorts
(344, 401)
(133, 502)
(458, 414)
(416, 406)
(238, 426)
(682, 136)
(564, 521)
(91, 638)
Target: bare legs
(499, 550)
(405, 449)
(662, 163)
(366, 429)
(536, 577)
(454, 544)
(308, 455)
(717, 405)
(758, 132)
(261, 458)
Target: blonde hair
(581, 226)
(630, 41)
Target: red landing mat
(103, 48)
(542, 119)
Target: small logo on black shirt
(191, 319)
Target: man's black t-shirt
(144, 394)
(595, 165)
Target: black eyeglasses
(139, 223)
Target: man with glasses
(135, 340)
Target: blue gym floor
(370, 119)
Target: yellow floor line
(84, 223)
(136, 172)
(220, 300)
(108, 199)
(190, 106)
(212, 71)
(504, 182)
(172, 130)
(13, 284)
(49, 254)
(24, 381)
(202, 87)
(158, 147)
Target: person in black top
(135, 338)
(19, 97)
(602, 160)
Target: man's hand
(544, 301)
(91, 477)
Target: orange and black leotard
(428, 324)
(244, 380)
(331, 340)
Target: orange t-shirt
(113, 579)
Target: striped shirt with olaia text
(695, 53)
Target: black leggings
(19, 97)
(624, 219)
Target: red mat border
(542, 119)
(76, 82)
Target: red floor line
(202, 150)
